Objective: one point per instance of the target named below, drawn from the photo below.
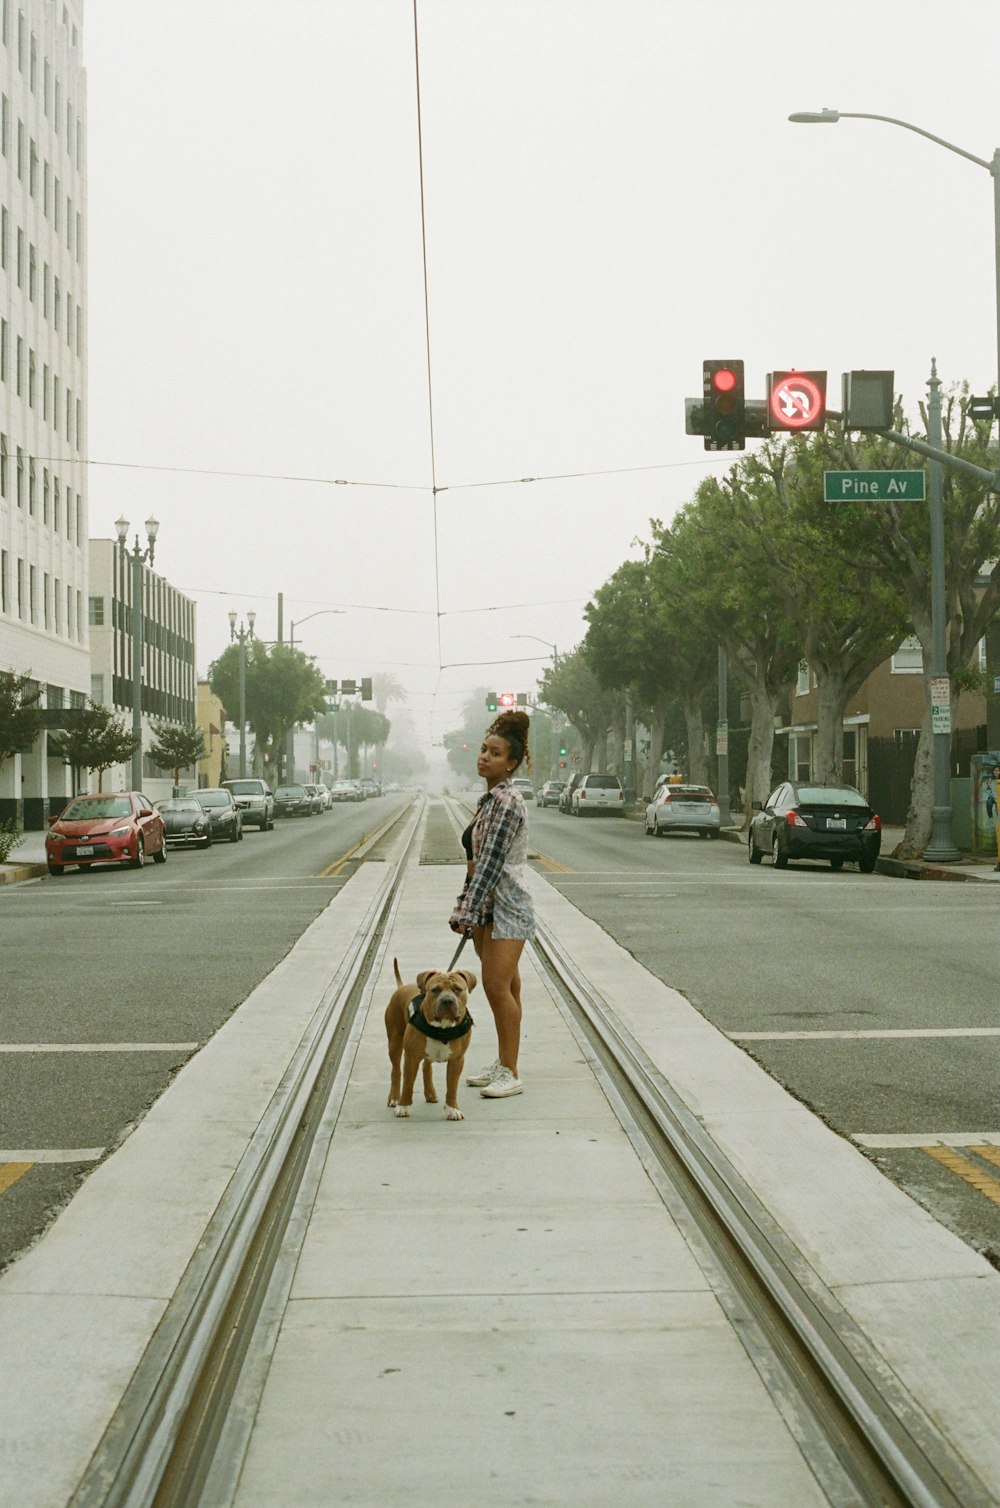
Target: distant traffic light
(491, 701)
(562, 751)
(796, 400)
(366, 689)
(724, 411)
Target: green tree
(573, 688)
(284, 689)
(176, 748)
(20, 718)
(355, 728)
(96, 741)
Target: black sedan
(185, 821)
(294, 801)
(811, 821)
(219, 805)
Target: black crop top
(467, 840)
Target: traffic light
(724, 410)
(491, 701)
(507, 699)
(867, 401)
(562, 751)
(796, 400)
(366, 688)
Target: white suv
(254, 799)
(598, 793)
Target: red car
(118, 828)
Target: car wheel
(239, 832)
(713, 832)
(778, 857)
(234, 836)
(206, 841)
(140, 855)
(56, 868)
(836, 863)
(160, 857)
(867, 866)
(755, 854)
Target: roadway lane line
(905, 1031)
(51, 1154)
(901, 1141)
(984, 1183)
(552, 866)
(173, 1047)
(988, 1154)
(10, 1173)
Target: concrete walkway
(503, 1308)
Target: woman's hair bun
(513, 726)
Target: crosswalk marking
(893, 1032)
(37, 1047)
(50, 1154)
(890, 1141)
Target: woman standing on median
(495, 908)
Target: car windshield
(178, 806)
(244, 787)
(86, 809)
(838, 795)
(214, 798)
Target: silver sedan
(683, 809)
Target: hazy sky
(612, 193)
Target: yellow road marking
(10, 1172)
(988, 1154)
(552, 865)
(984, 1183)
(338, 864)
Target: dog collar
(430, 1029)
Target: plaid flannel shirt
(499, 821)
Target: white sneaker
(485, 1075)
(501, 1085)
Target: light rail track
(180, 1435)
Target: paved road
(112, 978)
(898, 972)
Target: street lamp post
(138, 558)
(942, 845)
(319, 613)
(240, 636)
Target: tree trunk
(656, 723)
(587, 762)
(830, 726)
(763, 702)
(920, 816)
(695, 723)
(616, 744)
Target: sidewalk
(27, 860)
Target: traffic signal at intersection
(491, 701)
(796, 401)
(724, 411)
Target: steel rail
(158, 1448)
(883, 1442)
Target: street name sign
(873, 486)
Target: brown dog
(428, 1022)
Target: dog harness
(431, 1029)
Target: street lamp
(319, 613)
(240, 636)
(138, 557)
(942, 845)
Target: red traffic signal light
(724, 406)
(796, 400)
(508, 698)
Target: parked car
(523, 784)
(549, 793)
(683, 809)
(598, 793)
(222, 812)
(804, 820)
(255, 801)
(347, 790)
(324, 796)
(566, 794)
(371, 787)
(185, 821)
(119, 828)
(312, 791)
(292, 801)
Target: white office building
(43, 380)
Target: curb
(11, 873)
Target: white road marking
(172, 1047)
(888, 1140)
(50, 1154)
(906, 1031)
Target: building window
(97, 690)
(31, 379)
(4, 350)
(58, 605)
(20, 258)
(3, 465)
(4, 581)
(69, 612)
(46, 495)
(45, 391)
(909, 658)
(801, 756)
(95, 615)
(54, 698)
(20, 477)
(5, 125)
(56, 505)
(4, 236)
(32, 580)
(31, 485)
(32, 271)
(47, 600)
(19, 367)
(802, 679)
(20, 588)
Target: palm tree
(387, 688)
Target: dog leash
(457, 953)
